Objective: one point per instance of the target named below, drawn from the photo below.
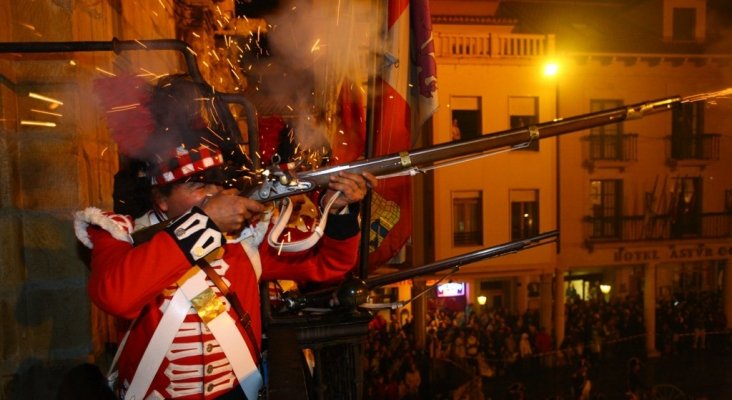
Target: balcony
(692, 149)
(492, 45)
(610, 151)
(638, 228)
(467, 238)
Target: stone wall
(48, 172)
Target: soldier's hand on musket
(229, 211)
(353, 188)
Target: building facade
(642, 207)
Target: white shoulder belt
(195, 292)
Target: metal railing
(659, 227)
(467, 238)
(694, 147)
(612, 147)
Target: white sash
(223, 327)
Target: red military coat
(138, 282)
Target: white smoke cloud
(323, 43)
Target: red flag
(348, 142)
(425, 74)
(391, 213)
(391, 218)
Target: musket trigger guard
(405, 160)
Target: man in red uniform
(188, 340)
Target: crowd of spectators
(394, 367)
(487, 342)
(694, 321)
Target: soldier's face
(184, 196)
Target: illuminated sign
(451, 289)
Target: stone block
(50, 248)
(11, 247)
(48, 172)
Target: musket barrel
(322, 298)
(426, 156)
(460, 260)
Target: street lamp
(552, 68)
(482, 300)
(551, 71)
(605, 290)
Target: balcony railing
(467, 238)
(612, 147)
(694, 147)
(493, 45)
(659, 227)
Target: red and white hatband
(186, 163)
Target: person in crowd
(378, 323)
(394, 322)
(459, 351)
(543, 345)
(636, 387)
(413, 380)
(190, 293)
(455, 130)
(700, 330)
(581, 383)
(472, 350)
(525, 352)
(516, 392)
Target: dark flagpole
(373, 93)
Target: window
(606, 207)
(693, 276)
(467, 211)
(687, 131)
(524, 213)
(686, 207)
(522, 112)
(684, 24)
(606, 142)
(466, 119)
(684, 21)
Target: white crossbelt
(222, 326)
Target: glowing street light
(482, 300)
(551, 69)
(605, 289)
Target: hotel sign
(672, 252)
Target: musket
(353, 292)
(273, 183)
(277, 184)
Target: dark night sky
(257, 8)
